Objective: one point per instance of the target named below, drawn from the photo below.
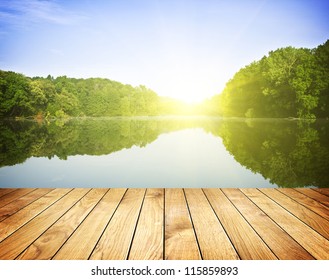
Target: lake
(168, 152)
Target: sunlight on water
(188, 158)
(167, 153)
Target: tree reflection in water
(289, 153)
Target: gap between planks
(155, 224)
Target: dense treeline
(21, 96)
(289, 82)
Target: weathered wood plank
(213, 241)
(246, 241)
(148, 240)
(17, 220)
(21, 202)
(282, 244)
(315, 195)
(180, 240)
(312, 241)
(13, 245)
(12, 196)
(117, 237)
(82, 242)
(310, 203)
(310, 218)
(58, 233)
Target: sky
(186, 49)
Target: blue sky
(184, 49)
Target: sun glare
(189, 87)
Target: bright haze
(187, 49)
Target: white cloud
(22, 12)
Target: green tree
(289, 82)
(38, 100)
(14, 94)
(322, 61)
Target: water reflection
(164, 152)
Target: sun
(190, 88)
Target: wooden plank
(58, 233)
(11, 196)
(310, 203)
(310, 218)
(17, 220)
(13, 245)
(324, 191)
(180, 240)
(117, 237)
(323, 199)
(246, 241)
(312, 241)
(75, 222)
(4, 191)
(21, 202)
(282, 245)
(213, 241)
(82, 242)
(148, 239)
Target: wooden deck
(170, 224)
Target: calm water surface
(164, 152)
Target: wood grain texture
(312, 241)
(308, 202)
(322, 198)
(45, 247)
(324, 191)
(82, 242)
(21, 202)
(10, 248)
(151, 224)
(213, 241)
(12, 196)
(148, 239)
(310, 218)
(17, 220)
(4, 191)
(180, 240)
(117, 237)
(281, 243)
(246, 241)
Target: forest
(289, 82)
(39, 97)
